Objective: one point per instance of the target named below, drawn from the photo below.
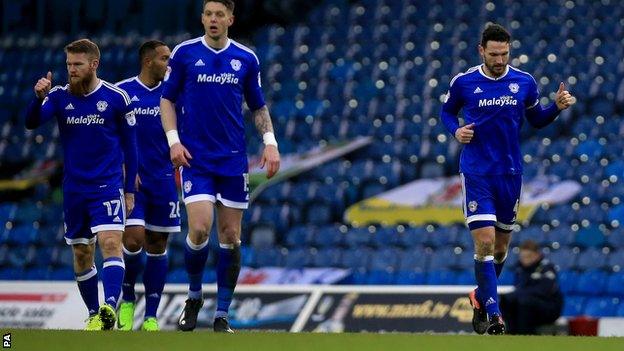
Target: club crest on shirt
(102, 105)
(187, 186)
(514, 87)
(236, 64)
(472, 206)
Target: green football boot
(125, 321)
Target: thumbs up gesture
(563, 98)
(43, 86)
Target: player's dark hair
(495, 32)
(229, 4)
(148, 47)
(83, 46)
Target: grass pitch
(64, 340)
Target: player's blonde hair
(83, 46)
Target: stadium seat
(601, 307)
(573, 306)
(592, 258)
(591, 282)
(441, 277)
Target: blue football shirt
(97, 134)
(210, 85)
(497, 108)
(154, 160)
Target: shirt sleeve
(253, 87)
(40, 111)
(452, 104)
(174, 78)
(532, 98)
(129, 146)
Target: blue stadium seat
(328, 236)
(21, 235)
(443, 258)
(590, 237)
(268, 257)
(358, 237)
(413, 237)
(409, 277)
(300, 236)
(356, 258)
(615, 239)
(466, 277)
(465, 260)
(507, 276)
(62, 273)
(381, 277)
(573, 306)
(616, 260)
(592, 258)
(601, 306)
(385, 237)
(327, 257)
(297, 258)
(568, 281)
(441, 277)
(615, 284)
(591, 282)
(385, 259)
(36, 273)
(563, 259)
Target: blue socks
(112, 277)
(228, 268)
(88, 287)
(486, 281)
(135, 262)
(154, 281)
(195, 257)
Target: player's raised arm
(40, 110)
(270, 155)
(539, 116)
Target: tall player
(157, 209)
(209, 76)
(96, 127)
(495, 99)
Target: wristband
(172, 137)
(268, 138)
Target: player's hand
(271, 159)
(43, 86)
(563, 98)
(464, 134)
(180, 155)
(129, 198)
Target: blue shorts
(156, 206)
(87, 214)
(231, 191)
(493, 199)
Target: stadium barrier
(294, 308)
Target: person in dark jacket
(536, 299)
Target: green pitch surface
(34, 340)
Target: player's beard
(496, 71)
(80, 87)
